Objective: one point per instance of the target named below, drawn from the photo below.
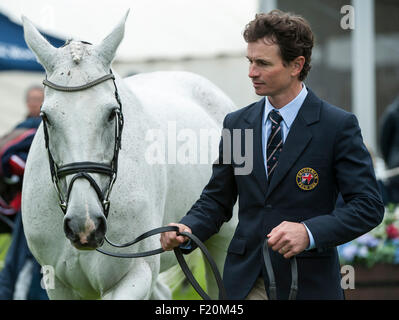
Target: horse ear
(107, 48)
(44, 51)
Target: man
(389, 145)
(20, 278)
(306, 151)
(14, 148)
(34, 100)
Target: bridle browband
(83, 169)
(79, 88)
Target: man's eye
(263, 63)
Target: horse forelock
(76, 49)
(77, 63)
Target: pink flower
(392, 232)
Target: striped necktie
(274, 143)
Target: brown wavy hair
(292, 33)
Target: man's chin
(260, 89)
(261, 92)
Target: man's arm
(215, 205)
(356, 181)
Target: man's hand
(288, 238)
(170, 240)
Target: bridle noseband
(83, 169)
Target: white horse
(81, 128)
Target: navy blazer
(325, 139)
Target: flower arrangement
(380, 245)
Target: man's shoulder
(392, 109)
(233, 117)
(29, 123)
(331, 112)
(332, 109)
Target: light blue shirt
(288, 113)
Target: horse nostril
(67, 229)
(101, 227)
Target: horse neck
(132, 108)
(129, 100)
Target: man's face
(34, 101)
(266, 69)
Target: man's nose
(253, 71)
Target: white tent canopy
(160, 35)
(155, 29)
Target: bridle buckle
(63, 206)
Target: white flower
(349, 251)
(396, 212)
(363, 251)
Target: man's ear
(297, 65)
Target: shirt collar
(290, 110)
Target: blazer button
(269, 207)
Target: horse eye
(111, 116)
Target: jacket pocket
(317, 162)
(237, 246)
(316, 253)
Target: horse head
(82, 123)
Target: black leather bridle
(83, 169)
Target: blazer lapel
(254, 122)
(298, 138)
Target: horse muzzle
(85, 235)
